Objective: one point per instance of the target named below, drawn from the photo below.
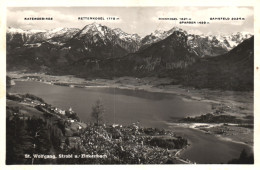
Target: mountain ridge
(215, 44)
(99, 51)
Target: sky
(140, 20)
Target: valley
(237, 105)
(199, 88)
(97, 51)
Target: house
(71, 111)
(115, 125)
(27, 100)
(62, 112)
(70, 120)
(23, 117)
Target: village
(132, 144)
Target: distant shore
(232, 132)
(235, 101)
(238, 104)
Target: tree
(244, 158)
(97, 112)
(18, 141)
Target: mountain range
(211, 44)
(99, 51)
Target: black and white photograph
(91, 85)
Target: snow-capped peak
(158, 35)
(117, 30)
(95, 27)
(21, 31)
(158, 32)
(241, 33)
(57, 29)
(36, 31)
(15, 30)
(125, 36)
(92, 26)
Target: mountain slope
(231, 71)
(65, 47)
(32, 37)
(203, 45)
(167, 55)
(95, 41)
(131, 42)
(98, 51)
(172, 58)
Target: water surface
(122, 106)
(149, 108)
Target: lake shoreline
(29, 107)
(233, 101)
(208, 126)
(225, 100)
(151, 84)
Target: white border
(67, 3)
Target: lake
(151, 109)
(122, 106)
